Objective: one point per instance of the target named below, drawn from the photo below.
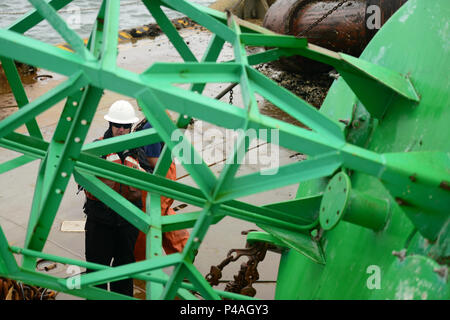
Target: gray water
(80, 16)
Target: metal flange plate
(334, 201)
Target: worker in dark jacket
(173, 241)
(109, 237)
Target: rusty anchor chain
(231, 96)
(312, 26)
(248, 273)
(16, 290)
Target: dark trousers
(104, 244)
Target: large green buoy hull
(361, 263)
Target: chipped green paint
(405, 131)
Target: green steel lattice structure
(357, 186)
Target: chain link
(248, 273)
(16, 290)
(231, 96)
(340, 4)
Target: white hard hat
(122, 112)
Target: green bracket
(257, 236)
(281, 243)
(334, 201)
(341, 202)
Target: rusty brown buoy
(348, 29)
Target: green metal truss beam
(95, 166)
(19, 93)
(162, 279)
(15, 163)
(49, 13)
(167, 27)
(33, 17)
(42, 103)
